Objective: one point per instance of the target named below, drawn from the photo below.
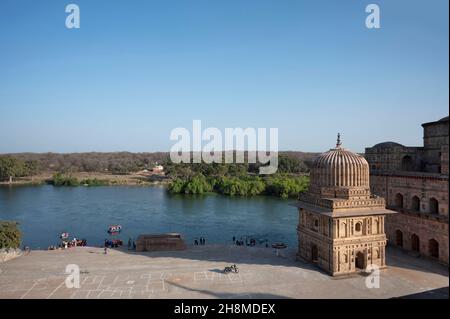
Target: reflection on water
(86, 212)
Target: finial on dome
(338, 142)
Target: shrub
(10, 235)
(65, 180)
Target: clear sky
(137, 69)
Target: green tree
(10, 235)
(60, 179)
(285, 186)
(10, 168)
(198, 184)
(176, 186)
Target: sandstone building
(414, 181)
(341, 225)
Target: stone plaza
(197, 273)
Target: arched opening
(399, 238)
(358, 227)
(399, 200)
(415, 204)
(433, 247)
(415, 243)
(314, 253)
(434, 206)
(360, 261)
(407, 163)
(377, 253)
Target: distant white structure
(158, 168)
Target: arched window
(360, 261)
(434, 206)
(415, 204)
(314, 253)
(407, 163)
(377, 253)
(415, 243)
(433, 248)
(399, 238)
(358, 227)
(399, 200)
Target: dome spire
(338, 142)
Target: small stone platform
(160, 242)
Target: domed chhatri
(340, 168)
(341, 224)
(340, 173)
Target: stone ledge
(9, 253)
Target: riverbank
(197, 273)
(133, 179)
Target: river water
(44, 212)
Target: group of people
(69, 243)
(247, 242)
(113, 243)
(201, 241)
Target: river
(46, 211)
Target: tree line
(115, 163)
(280, 185)
(240, 179)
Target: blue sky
(137, 69)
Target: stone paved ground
(196, 273)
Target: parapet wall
(8, 254)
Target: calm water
(86, 212)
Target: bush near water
(60, 179)
(10, 235)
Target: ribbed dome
(387, 145)
(340, 168)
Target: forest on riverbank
(102, 169)
(239, 179)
